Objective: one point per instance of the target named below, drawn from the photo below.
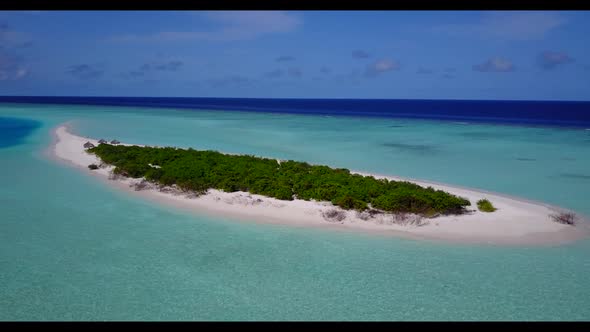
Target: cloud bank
(229, 26)
(507, 25)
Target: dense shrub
(198, 171)
(348, 202)
(485, 206)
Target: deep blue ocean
(552, 113)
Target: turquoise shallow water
(73, 248)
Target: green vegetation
(199, 171)
(485, 206)
(92, 166)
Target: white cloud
(381, 66)
(230, 26)
(550, 59)
(495, 64)
(257, 21)
(20, 73)
(507, 25)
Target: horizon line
(270, 98)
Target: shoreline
(516, 222)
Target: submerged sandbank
(516, 222)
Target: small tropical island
(198, 171)
(300, 194)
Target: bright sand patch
(516, 222)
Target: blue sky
(311, 54)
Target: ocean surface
(73, 248)
(552, 113)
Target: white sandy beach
(516, 222)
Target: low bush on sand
(485, 206)
(567, 218)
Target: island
(300, 194)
